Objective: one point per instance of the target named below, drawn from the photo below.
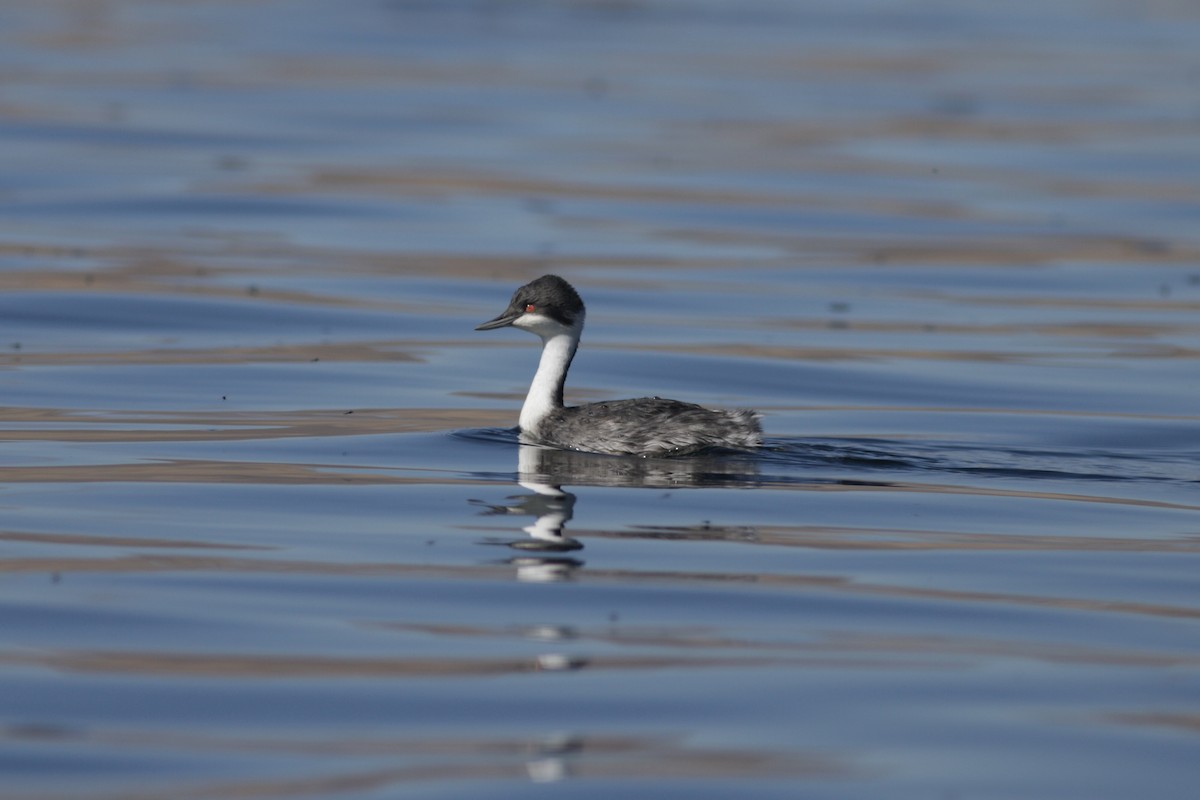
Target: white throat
(546, 391)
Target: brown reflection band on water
(1189, 723)
(611, 756)
(803, 583)
(273, 354)
(830, 651)
(89, 540)
(665, 747)
(282, 473)
(842, 584)
(964, 596)
(946, 649)
(383, 350)
(150, 426)
(803, 353)
(265, 566)
(143, 280)
(1067, 330)
(209, 472)
(821, 537)
(175, 271)
(302, 666)
(842, 644)
(1123, 304)
(977, 491)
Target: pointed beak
(505, 319)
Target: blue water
(265, 526)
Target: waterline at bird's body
(649, 426)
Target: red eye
(529, 308)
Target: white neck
(546, 391)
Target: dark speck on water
(950, 251)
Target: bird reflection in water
(552, 508)
(543, 471)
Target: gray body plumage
(648, 426)
(645, 426)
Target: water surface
(265, 528)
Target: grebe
(647, 426)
